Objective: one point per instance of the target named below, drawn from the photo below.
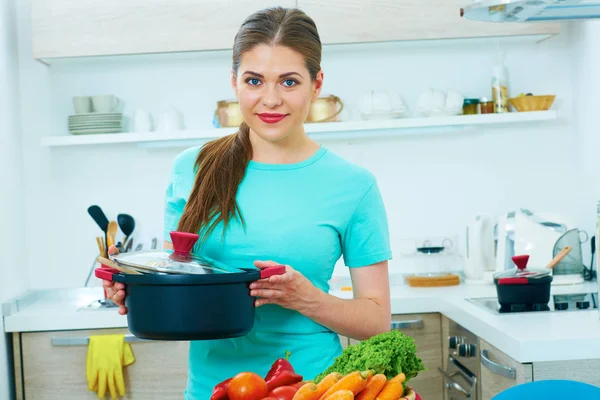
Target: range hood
(531, 10)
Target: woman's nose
(271, 98)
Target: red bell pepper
(220, 391)
(282, 373)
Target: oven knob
(561, 306)
(467, 350)
(582, 305)
(454, 341)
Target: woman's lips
(271, 118)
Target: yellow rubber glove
(106, 356)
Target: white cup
(82, 104)
(170, 120)
(141, 121)
(105, 103)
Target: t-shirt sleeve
(174, 205)
(366, 239)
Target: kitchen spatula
(98, 215)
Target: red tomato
(247, 386)
(284, 392)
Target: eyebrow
(287, 74)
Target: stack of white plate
(95, 123)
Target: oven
(461, 369)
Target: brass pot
(325, 109)
(228, 113)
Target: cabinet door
(69, 28)
(58, 372)
(426, 330)
(348, 21)
(500, 372)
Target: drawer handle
(409, 324)
(453, 384)
(496, 368)
(83, 341)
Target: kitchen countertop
(526, 337)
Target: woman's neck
(293, 149)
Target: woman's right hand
(115, 291)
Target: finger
(262, 302)
(119, 297)
(266, 293)
(120, 382)
(111, 385)
(119, 286)
(112, 250)
(265, 264)
(279, 279)
(101, 384)
(122, 310)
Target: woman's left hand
(291, 290)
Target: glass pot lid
(521, 270)
(176, 261)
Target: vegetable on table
(220, 390)
(341, 395)
(282, 373)
(283, 392)
(374, 386)
(247, 386)
(393, 389)
(388, 353)
(354, 382)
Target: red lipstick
(271, 118)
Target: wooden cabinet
(49, 371)
(500, 372)
(72, 28)
(75, 28)
(352, 21)
(426, 330)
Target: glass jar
(470, 106)
(486, 106)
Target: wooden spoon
(112, 264)
(111, 233)
(559, 257)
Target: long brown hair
(221, 163)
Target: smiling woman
(268, 194)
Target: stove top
(557, 303)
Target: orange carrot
(343, 394)
(354, 381)
(392, 390)
(399, 378)
(308, 391)
(327, 382)
(374, 386)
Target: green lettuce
(388, 353)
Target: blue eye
(289, 82)
(253, 81)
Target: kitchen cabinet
(75, 28)
(426, 330)
(356, 21)
(500, 372)
(47, 371)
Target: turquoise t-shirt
(307, 215)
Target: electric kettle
(480, 260)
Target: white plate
(95, 125)
(96, 115)
(96, 131)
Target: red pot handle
(270, 271)
(105, 273)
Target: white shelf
(330, 130)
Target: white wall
(13, 276)
(431, 184)
(585, 61)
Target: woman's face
(275, 91)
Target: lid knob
(521, 261)
(183, 242)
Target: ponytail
(221, 166)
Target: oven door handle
(454, 384)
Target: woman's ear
(234, 83)
(318, 85)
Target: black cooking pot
(522, 287)
(204, 302)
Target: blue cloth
(307, 215)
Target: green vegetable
(388, 353)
